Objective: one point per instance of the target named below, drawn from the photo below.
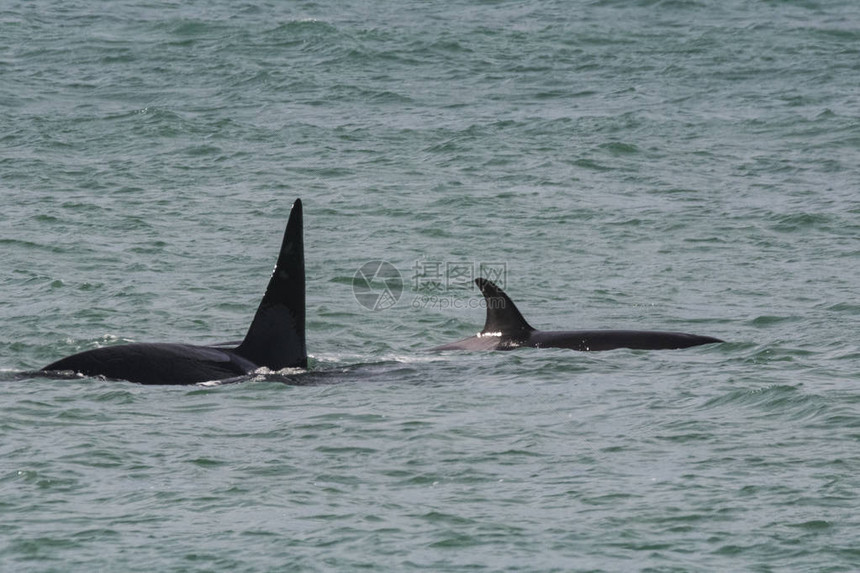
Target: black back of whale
(275, 339)
(506, 329)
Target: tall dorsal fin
(502, 314)
(276, 338)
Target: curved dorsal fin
(276, 338)
(503, 317)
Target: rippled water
(676, 165)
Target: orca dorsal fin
(503, 317)
(276, 338)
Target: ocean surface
(688, 165)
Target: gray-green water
(677, 165)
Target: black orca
(506, 329)
(275, 340)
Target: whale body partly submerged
(275, 339)
(506, 329)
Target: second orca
(506, 329)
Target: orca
(275, 339)
(506, 329)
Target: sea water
(687, 165)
